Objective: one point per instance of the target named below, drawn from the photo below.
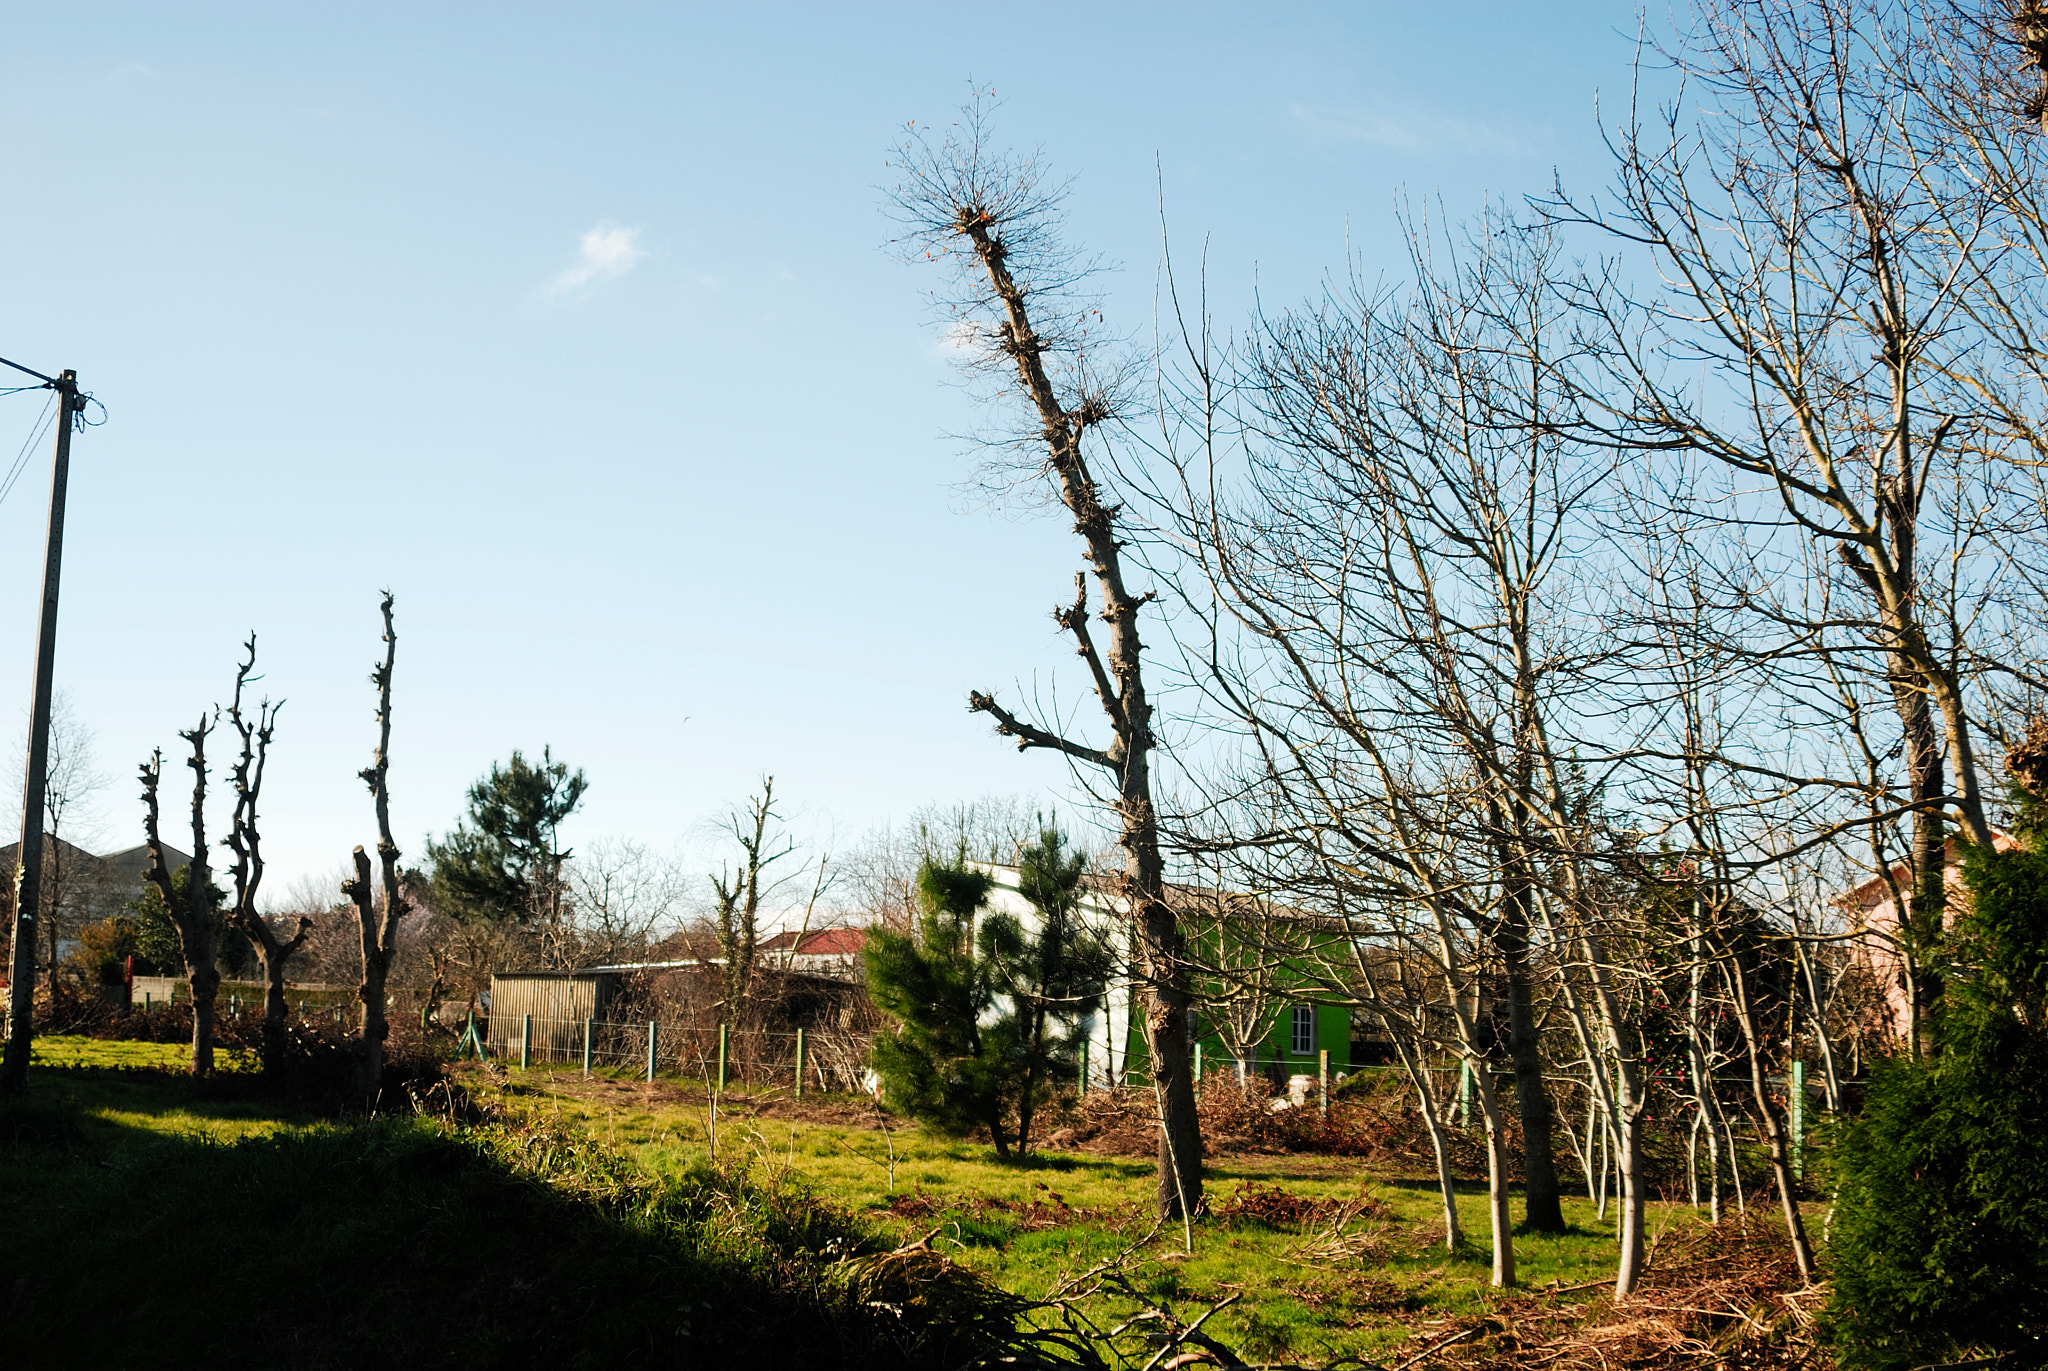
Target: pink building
(1873, 911)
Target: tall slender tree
(378, 921)
(991, 217)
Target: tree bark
(192, 914)
(246, 842)
(953, 204)
(378, 926)
(1543, 1207)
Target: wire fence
(828, 1059)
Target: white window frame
(1302, 1031)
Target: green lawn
(124, 1173)
(1305, 1288)
(61, 1049)
(150, 1219)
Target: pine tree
(1940, 1232)
(1052, 979)
(941, 1065)
(986, 1011)
(503, 862)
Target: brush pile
(1725, 1295)
(1372, 1119)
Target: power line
(21, 460)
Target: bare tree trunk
(192, 914)
(963, 202)
(247, 844)
(379, 927)
(1699, 1057)
(1500, 1220)
(1818, 1003)
(1439, 1141)
(1772, 1122)
(1543, 1205)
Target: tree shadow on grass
(406, 1242)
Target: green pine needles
(1940, 1231)
(987, 1009)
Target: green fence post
(653, 1036)
(1464, 1092)
(1798, 1118)
(525, 1041)
(1084, 1066)
(799, 1063)
(589, 1032)
(723, 1030)
(471, 1039)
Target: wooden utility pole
(28, 887)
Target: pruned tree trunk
(191, 913)
(247, 844)
(378, 920)
(989, 213)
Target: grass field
(1304, 1289)
(121, 1172)
(69, 1050)
(150, 1219)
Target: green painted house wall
(1332, 1034)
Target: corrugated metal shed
(558, 1000)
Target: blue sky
(575, 326)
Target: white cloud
(607, 251)
(1417, 131)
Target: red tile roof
(825, 942)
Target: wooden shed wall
(559, 1003)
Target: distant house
(89, 886)
(1873, 912)
(1304, 1025)
(831, 952)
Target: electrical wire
(35, 437)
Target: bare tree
(992, 218)
(880, 873)
(739, 893)
(622, 894)
(1388, 532)
(191, 911)
(72, 889)
(1847, 246)
(377, 923)
(1243, 947)
(244, 840)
